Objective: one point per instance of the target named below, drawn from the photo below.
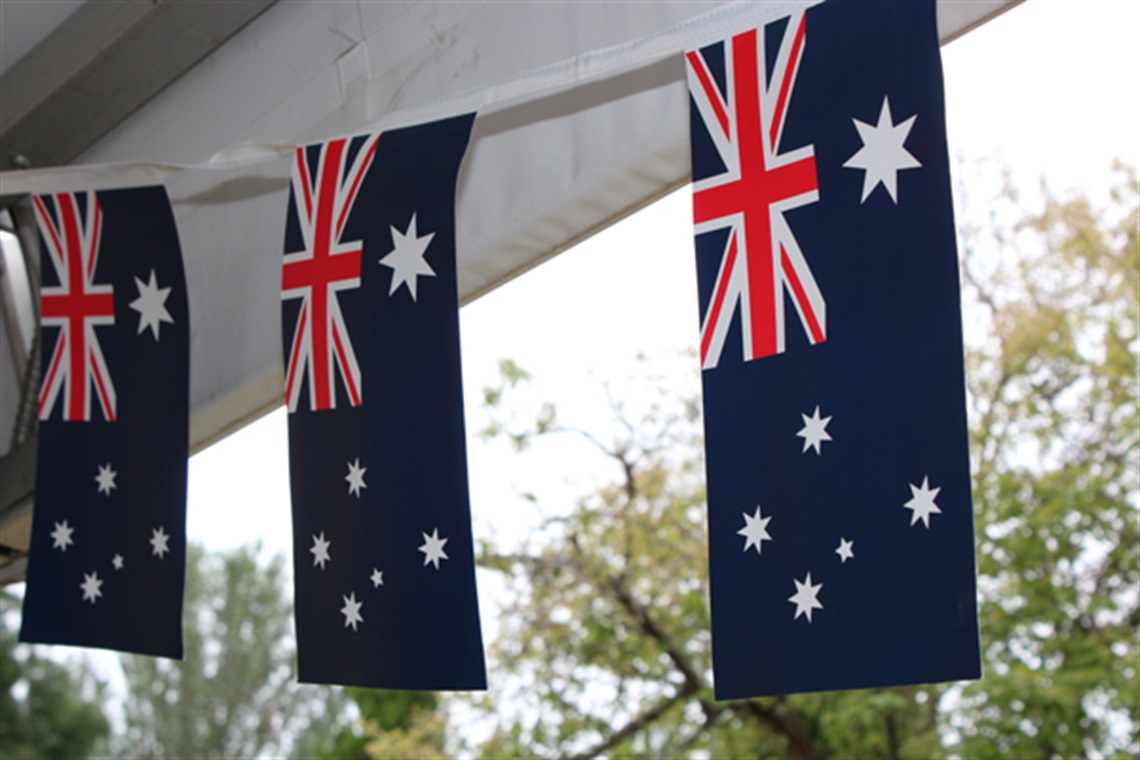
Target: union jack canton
(744, 111)
(75, 306)
(324, 193)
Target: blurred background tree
(605, 637)
(1056, 451)
(235, 694)
(48, 710)
(390, 723)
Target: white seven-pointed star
(158, 541)
(433, 548)
(320, 550)
(883, 155)
(351, 611)
(355, 477)
(407, 258)
(61, 536)
(117, 561)
(91, 585)
(151, 305)
(846, 550)
(814, 431)
(377, 578)
(922, 502)
(106, 478)
(805, 597)
(754, 530)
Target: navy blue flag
(384, 564)
(840, 518)
(108, 550)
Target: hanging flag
(840, 518)
(383, 558)
(108, 548)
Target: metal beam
(100, 65)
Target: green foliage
(1056, 445)
(392, 723)
(235, 693)
(605, 638)
(422, 737)
(48, 710)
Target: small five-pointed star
(61, 536)
(320, 550)
(407, 260)
(846, 550)
(814, 431)
(151, 305)
(351, 610)
(433, 548)
(117, 561)
(755, 530)
(377, 578)
(91, 585)
(805, 597)
(883, 156)
(106, 479)
(158, 542)
(355, 477)
(922, 502)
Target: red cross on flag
(745, 117)
(76, 306)
(324, 195)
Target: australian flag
(384, 564)
(840, 518)
(108, 551)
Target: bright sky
(1046, 89)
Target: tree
(1056, 449)
(234, 695)
(392, 723)
(48, 710)
(606, 632)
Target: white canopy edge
(558, 152)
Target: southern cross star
(407, 260)
(922, 502)
(846, 550)
(754, 530)
(814, 431)
(805, 597)
(158, 541)
(355, 477)
(351, 611)
(883, 156)
(433, 548)
(106, 479)
(91, 585)
(320, 550)
(377, 578)
(117, 561)
(151, 305)
(61, 536)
